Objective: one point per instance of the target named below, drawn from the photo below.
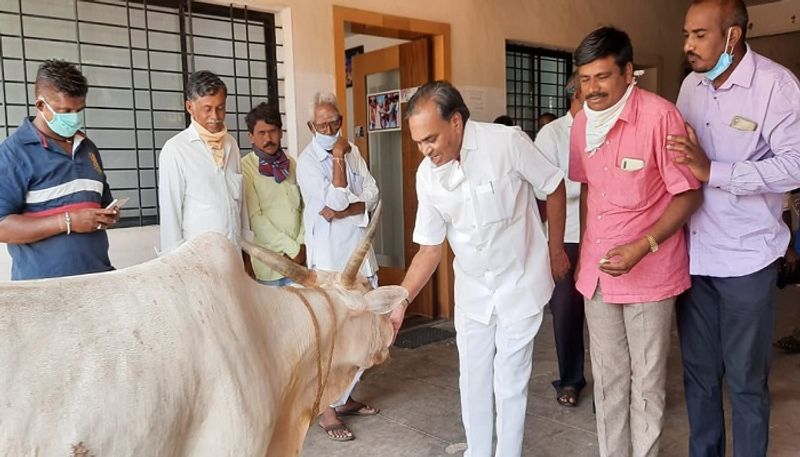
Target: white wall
(774, 18)
(129, 246)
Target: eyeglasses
(331, 126)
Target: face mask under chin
(326, 142)
(449, 174)
(723, 63)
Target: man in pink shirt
(633, 261)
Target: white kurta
(502, 273)
(195, 195)
(330, 244)
(501, 262)
(553, 142)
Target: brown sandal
(331, 430)
(363, 410)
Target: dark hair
(63, 77)
(504, 119)
(740, 17)
(446, 97)
(604, 42)
(263, 112)
(547, 115)
(202, 83)
(735, 14)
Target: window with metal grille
(535, 80)
(137, 56)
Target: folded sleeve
(430, 227)
(677, 178)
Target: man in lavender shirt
(745, 148)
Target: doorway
(413, 53)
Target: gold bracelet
(652, 242)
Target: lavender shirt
(750, 130)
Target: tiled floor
(417, 391)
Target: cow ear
(383, 299)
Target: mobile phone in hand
(118, 203)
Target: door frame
(386, 25)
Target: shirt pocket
(735, 145)
(495, 200)
(628, 188)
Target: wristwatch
(652, 241)
(68, 221)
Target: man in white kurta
(329, 243)
(200, 176)
(566, 305)
(475, 189)
(339, 192)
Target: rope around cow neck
(322, 382)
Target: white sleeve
(246, 234)
(547, 144)
(314, 185)
(171, 186)
(369, 189)
(430, 228)
(533, 165)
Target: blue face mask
(326, 142)
(64, 125)
(723, 63)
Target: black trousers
(568, 318)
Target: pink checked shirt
(623, 204)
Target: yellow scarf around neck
(214, 141)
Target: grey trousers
(629, 345)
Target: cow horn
(357, 258)
(297, 273)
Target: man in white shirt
(475, 188)
(200, 176)
(567, 303)
(338, 192)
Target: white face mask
(449, 174)
(326, 142)
(599, 123)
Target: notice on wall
(475, 98)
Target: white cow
(182, 356)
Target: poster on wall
(383, 111)
(348, 63)
(407, 93)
